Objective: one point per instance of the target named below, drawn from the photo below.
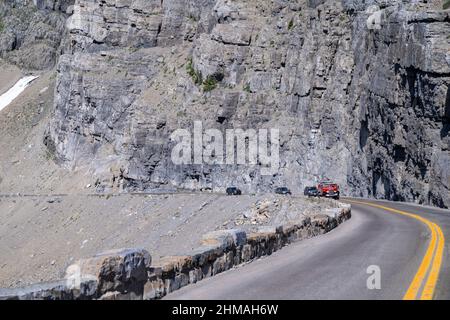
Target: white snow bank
(15, 91)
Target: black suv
(233, 191)
(311, 192)
(283, 190)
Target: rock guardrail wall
(128, 274)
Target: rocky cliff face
(31, 32)
(367, 107)
(402, 110)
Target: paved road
(334, 266)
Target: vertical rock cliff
(31, 32)
(403, 72)
(367, 105)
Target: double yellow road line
(432, 261)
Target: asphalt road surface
(400, 244)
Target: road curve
(335, 265)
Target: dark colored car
(283, 190)
(311, 192)
(233, 191)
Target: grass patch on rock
(195, 75)
(446, 4)
(291, 25)
(209, 84)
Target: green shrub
(291, 24)
(2, 26)
(193, 18)
(209, 84)
(190, 68)
(195, 75)
(446, 4)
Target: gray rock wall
(368, 108)
(32, 32)
(404, 143)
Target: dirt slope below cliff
(41, 236)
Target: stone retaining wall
(129, 274)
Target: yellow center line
(411, 293)
(435, 248)
(430, 285)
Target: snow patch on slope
(15, 91)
